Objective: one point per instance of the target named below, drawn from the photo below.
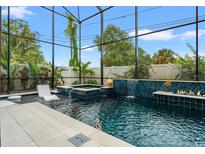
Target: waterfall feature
(131, 85)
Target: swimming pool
(138, 122)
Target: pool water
(140, 122)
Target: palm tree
(58, 78)
(35, 68)
(25, 53)
(86, 70)
(71, 32)
(14, 74)
(3, 63)
(163, 56)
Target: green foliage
(3, 62)
(122, 53)
(71, 32)
(22, 50)
(92, 82)
(86, 70)
(58, 78)
(75, 82)
(119, 53)
(26, 58)
(143, 67)
(163, 56)
(187, 66)
(35, 66)
(144, 64)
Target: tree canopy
(119, 53)
(23, 50)
(71, 32)
(26, 57)
(122, 53)
(164, 56)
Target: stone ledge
(19, 94)
(177, 95)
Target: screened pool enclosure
(69, 44)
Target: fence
(157, 72)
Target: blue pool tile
(145, 88)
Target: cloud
(18, 12)
(159, 36)
(191, 34)
(167, 35)
(131, 33)
(88, 49)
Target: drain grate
(79, 139)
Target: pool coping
(165, 80)
(19, 94)
(86, 90)
(25, 94)
(177, 95)
(95, 85)
(64, 87)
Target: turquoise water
(138, 122)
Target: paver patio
(34, 124)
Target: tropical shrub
(86, 70)
(27, 60)
(92, 82)
(144, 65)
(75, 82)
(58, 78)
(187, 66)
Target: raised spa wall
(146, 88)
(95, 93)
(161, 94)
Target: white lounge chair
(44, 91)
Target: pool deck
(36, 125)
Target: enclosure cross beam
(96, 14)
(152, 32)
(99, 8)
(56, 12)
(69, 12)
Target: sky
(149, 19)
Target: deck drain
(79, 139)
